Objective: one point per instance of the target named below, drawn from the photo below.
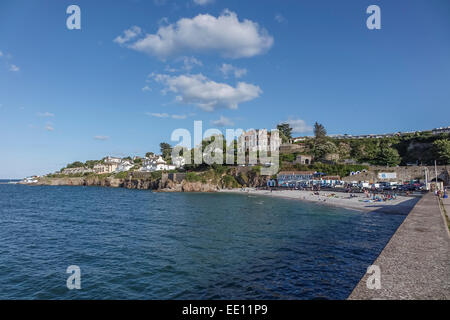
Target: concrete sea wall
(415, 264)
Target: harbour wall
(415, 264)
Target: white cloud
(158, 115)
(45, 114)
(14, 68)
(299, 125)
(223, 122)
(49, 127)
(163, 20)
(128, 35)
(166, 115)
(190, 62)
(146, 88)
(225, 35)
(207, 94)
(1, 53)
(170, 69)
(179, 116)
(226, 69)
(280, 18)
(101, 138)
(203, 2)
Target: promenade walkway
(415, 264)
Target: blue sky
(68, 95)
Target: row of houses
(157, 163)
(297, 178)
(113, 165)
(434, 131)
(108, 165)
(80, 170)
(116, 165)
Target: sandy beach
(400, 205)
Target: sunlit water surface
(137, 244)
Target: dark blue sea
(137, 244)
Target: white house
(179, 161)
(298, 139)
(110, 159)
(125, 165)
(109, 165)
(156, 163)
(259, 140)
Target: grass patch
(193, 177)
(121, 175)
(230, 182)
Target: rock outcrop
(79, 181)
(208, 181)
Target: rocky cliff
(81, 181)
(207, 181)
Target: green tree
(76, 164)
(324, 147)
(91, 163)
(166, 150)
(150, 154)
(441, 150)
(319, 131)
(285, 131)
(387, 156)
(344, 150)
(371, 150)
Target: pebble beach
(355, 201)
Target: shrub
(121, 175)
(156, 175)
(193, 177)
(256, 169)
(230, 182)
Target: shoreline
(401, 205)
(359, 202)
